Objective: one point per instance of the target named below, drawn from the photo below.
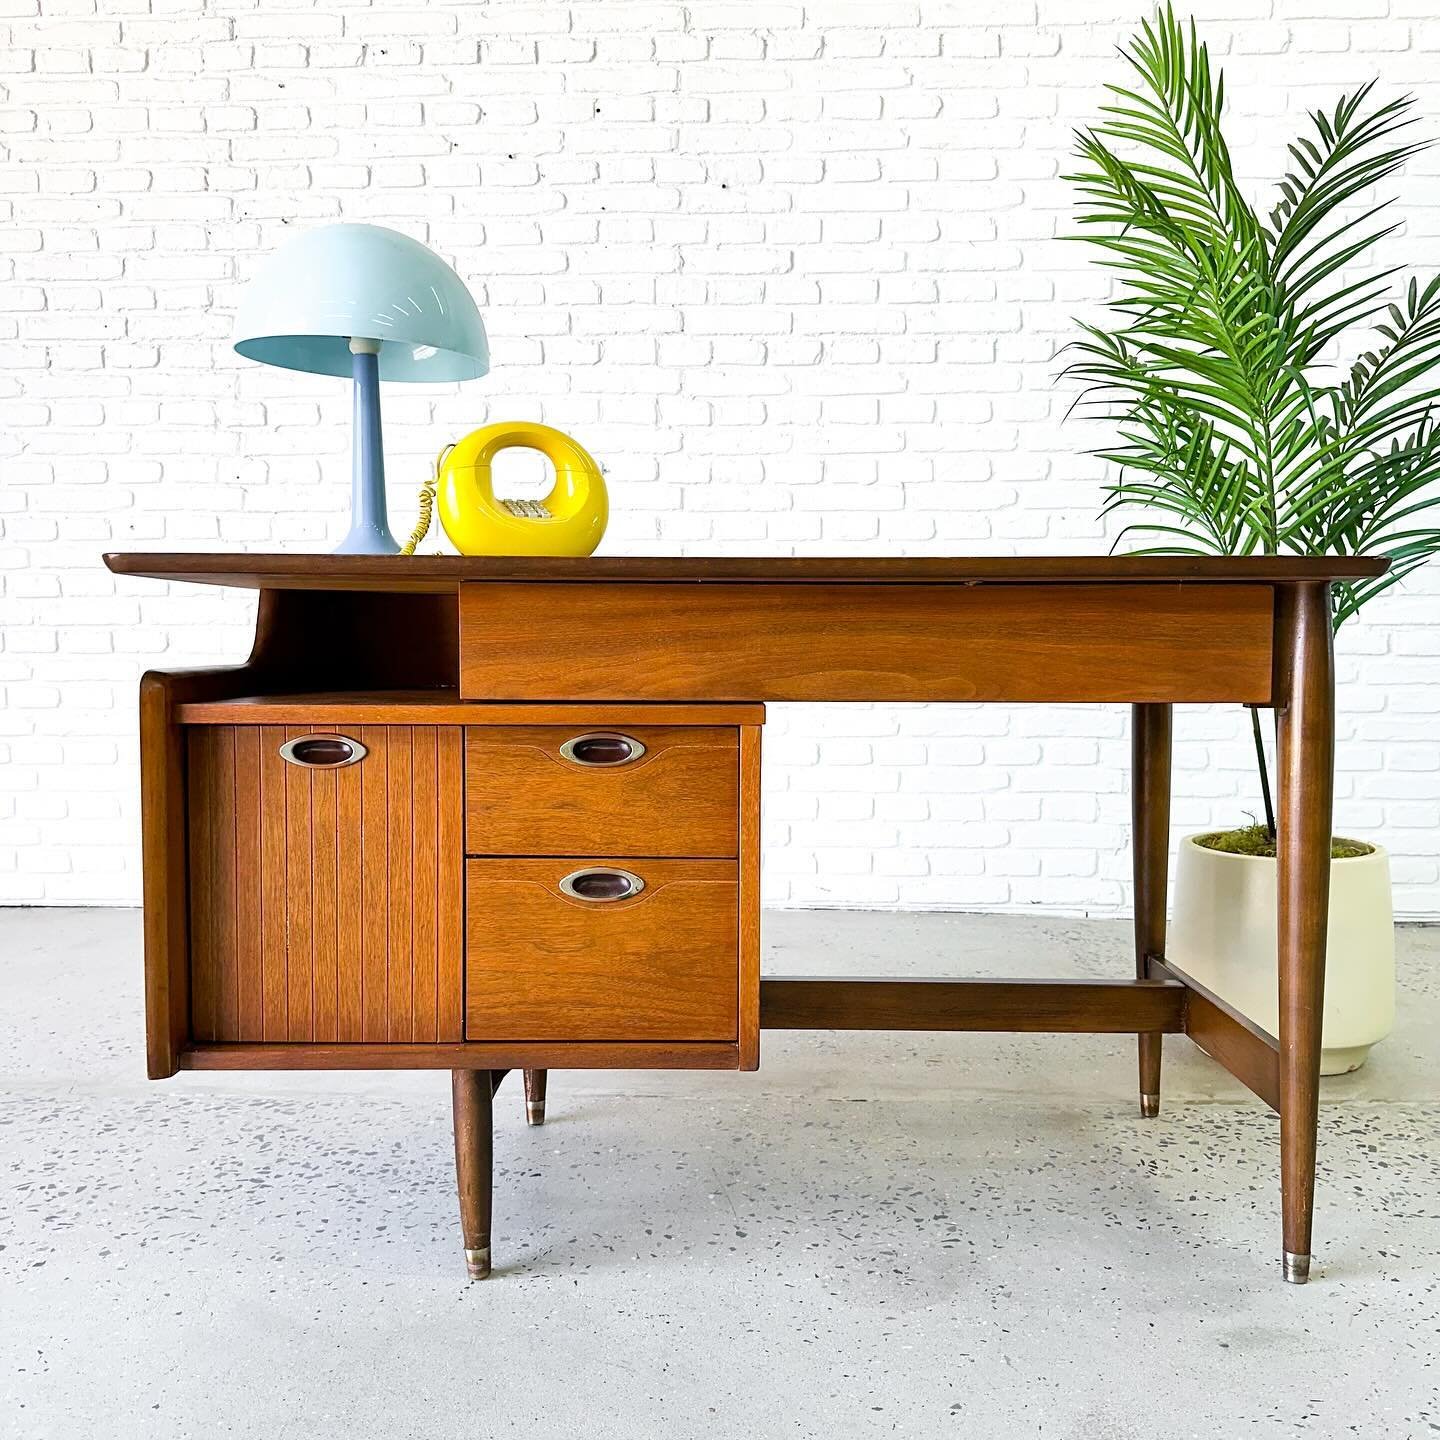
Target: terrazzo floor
(873, 1236)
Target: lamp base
(368, 540)
(369, 527)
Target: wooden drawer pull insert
(322, 752)
(601, 884)
(602, 748)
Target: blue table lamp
(367, 302)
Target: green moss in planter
(1253, 840)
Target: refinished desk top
(438, 574)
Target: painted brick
(792, 273)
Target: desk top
(438, 574)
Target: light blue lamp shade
(367, 302)
(326, 286)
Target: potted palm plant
(1250, 419)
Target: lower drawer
(544, 962)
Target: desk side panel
(163, 789)
(1048, 643)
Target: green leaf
(1211, 364)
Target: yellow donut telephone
(569, 521)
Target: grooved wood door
(326, 904)
(679, 797)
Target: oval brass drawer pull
(601, 883)
(602, 748)
(322, 752)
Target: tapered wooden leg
(535, 1096)
(1150, 808)
(472, 1092)
(1306, 725)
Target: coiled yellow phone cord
(427, 504)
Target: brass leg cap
(1296, 1268)
(477, 1263)
(534, 1112)
(1149, 1106)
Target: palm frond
(1229, 441)
(1331, 170)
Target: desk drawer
(646, 790)
(1163, 642)
(659, 964)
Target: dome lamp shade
(370, 303)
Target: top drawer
(648, 790)
(734, 641)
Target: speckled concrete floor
(874, 1236)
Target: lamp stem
(369, 526)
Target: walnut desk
(494, 814)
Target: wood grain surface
(1152, 643)
(443, 707)
(1150, 759)
(514, 1054)
(1088, 1007)
(325, 904)
(542, 966)
(523, 797)
(749, 897)
(439, 574)
(1305, 785)
(1231, 1039)
(163, 843)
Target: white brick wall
(789, 270)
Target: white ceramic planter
(1223, 934)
